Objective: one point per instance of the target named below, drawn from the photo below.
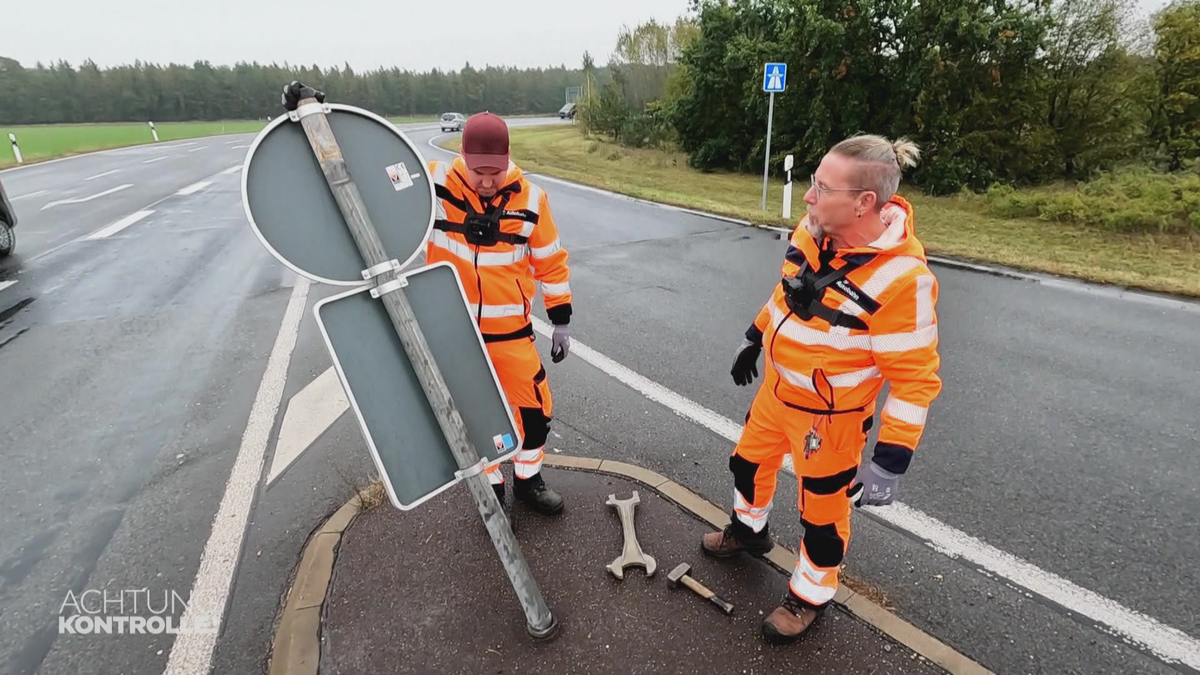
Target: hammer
(680, 574)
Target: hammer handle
(703, 592)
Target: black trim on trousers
(536, 426)
(743, 476)
(525, 332)
(829, 485)
(824, 544)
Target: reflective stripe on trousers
(526, 464)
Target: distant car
(453, 121)
(8, 221)
(567, 111)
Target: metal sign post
(774, 80)
(281, 209)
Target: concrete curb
(296, 648)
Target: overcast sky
(416, 35)
(366, 33)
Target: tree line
(995, 91)
(60, 93)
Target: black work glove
(294, 92)
(745, 362)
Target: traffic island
(423, 591)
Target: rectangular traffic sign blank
(397, 421)
(774, 77)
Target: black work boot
(734, 539)
(789, 621)
(533, 491)
(498, 488)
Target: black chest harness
(805, 291)
(803, 294)
(483, 229)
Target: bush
(1130, 200)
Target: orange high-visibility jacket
(499, 277)
(877, 322)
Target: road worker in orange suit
(495, 227)
(856, 306)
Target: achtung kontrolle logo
(132, 612)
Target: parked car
(8, 221)
(567, 111)
(453, 121)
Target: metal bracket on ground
(393, 285)
(308, 109)
(392, 265)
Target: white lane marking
(232, 169)
(193, 188)
(102, 175)
(203, 147)
(1167, 643)
(192, 652)
(110, 230)
(231, 142)
(80, 200)
(239, 147)
(156, 159)
(6, 284)
(27, 196)
(310, 412)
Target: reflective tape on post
(12, 138)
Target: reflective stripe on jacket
(880, 323)
(500, 277)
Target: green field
(42, 142)
(963, 227)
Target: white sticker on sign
(399, 175)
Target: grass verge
(51, 141)
(949, 226)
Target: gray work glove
(560, 343)
(874, 486)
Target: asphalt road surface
(140, 338)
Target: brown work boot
(734, 539)
(789, 621)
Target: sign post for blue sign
(774, 81)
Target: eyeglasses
(821, 190)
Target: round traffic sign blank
(292, 210)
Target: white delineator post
(787, 187)
(12, 138)
(153, 131)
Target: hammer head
(677, 574)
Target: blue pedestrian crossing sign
(775, 77)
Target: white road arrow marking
(310, 412)
(80, 200)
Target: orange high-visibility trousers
(772, 432)
(523, 379)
